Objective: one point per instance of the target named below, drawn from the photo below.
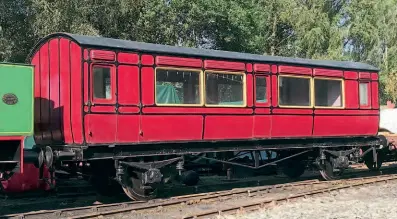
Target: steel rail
(261, 204)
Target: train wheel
(133, 188)
(328, 172)
(293, 168)
(371, 164)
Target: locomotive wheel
(327, 171)
(371, 164)
(133, 188)
(293, 168)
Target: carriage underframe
(141, 169)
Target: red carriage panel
(100, 128)
(351, 94)
(351, 75)
(85, 53)
(374, 76)
(262, 68)
(250, 90)
(249, 67)
(262, 126)
(292, 111)
(291, 125)
(129, 109)
(147, 60)
(261, 110)
(340, 112)
(294, 70)
(128, 58)
(147, 74)
(102, 109)
(45, 101)
(327, 72)
(65, 74)
(101, 55)
(128, 85)
(77, 98)
(86, 83)
(274, 69)
(333, 122)
(345, 125)
(364, 75)
(128, 128)
(212, 64)
(176, 61)
(375, 95)
(171, 127)
(274, 89)
(55, 114)
(228, 127)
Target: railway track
(254, 206)
(256, 197)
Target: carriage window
(294, 91)
(328, 93)
(101, 83)
(225, 89)
(364, 94)
(260, 89)
(178, 87)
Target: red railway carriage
(130, 109)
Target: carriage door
(101, 118)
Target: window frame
(231, 73)
(311, 93)
(201, 86)
(342, 92)
(95, 100)
(268, 90)
(369, 94)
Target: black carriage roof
(95, 41)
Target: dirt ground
(370, 202)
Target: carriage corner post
(143, 115)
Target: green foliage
(360, 30)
